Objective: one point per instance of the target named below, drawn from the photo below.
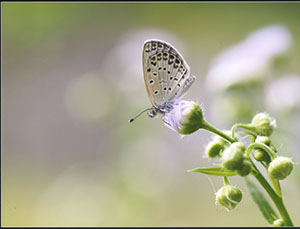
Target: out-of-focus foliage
(72, 77)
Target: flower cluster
(187, 117)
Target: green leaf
(215, 171)
(261, 202)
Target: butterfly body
(166, 75)
(160, 109)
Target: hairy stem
(216, 131)
(241, 125)
(226, 181)
(261, 146)
(272, 155)
(278, 201)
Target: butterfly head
(152, 113)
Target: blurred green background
(72, 77)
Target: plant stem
(241, 125)
(256, 145)
(276, 186)
(278, 201)
(216, 131)
(226, 181)
(272, 155)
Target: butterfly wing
(166, 73)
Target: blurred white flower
(283, 93)
(250, 59)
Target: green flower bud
(217, 145)
(280, 168)
(263, 124)
(229, 196)
(260, 154)
(232, 156)
(246, 168)
(278, 223)
(194, 118)
(224, 142)
(213, 149)
(186, 117)
(264, 140)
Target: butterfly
(166, 75)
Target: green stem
(226, 181)
(241, 125)
(276, 186)
(278, 201)
(214, 130)
(272, 155)
(263, 147)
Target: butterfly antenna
(132, 119)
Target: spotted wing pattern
(166, 74)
